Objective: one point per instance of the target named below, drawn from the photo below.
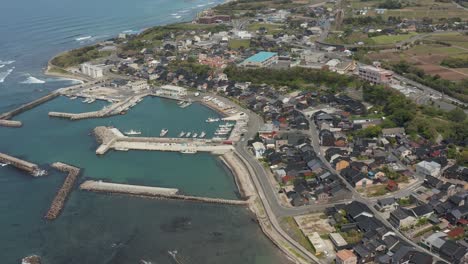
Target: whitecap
(6, 62)
(201, 5)
(33, 80)
(175, 14)
(83, 38)
(1, 66)
(5, 74)
(178, 17)
(184, 11)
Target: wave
(5, 74)
(83, 38)
(33, 80)
(69, 80)
(184, 11)
(1, 66)
(175, 14)
(6, 62)
(201, 5)
(178, 17)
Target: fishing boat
(195, 135)
(85, 100)
(132, 132)
(164, 132)
(188, 134)
(91, 100)
(4, 164)
(182, 134)
(212, 120)
(202, 134)
(73, 98)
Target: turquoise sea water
(97, 228)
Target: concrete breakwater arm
(62, 194)
(29, 105)
(27, 166)
(151, 192)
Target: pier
(112, 138)
(151, 192)
(23, 108)
(62, 194)
(113, 109)
(27, 166)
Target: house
(259, 149)
(326, 138)
(428, 168)
(338, 241)
(392, 185)
(342, 164)
(268, 131)
(317, 242)
(393, 132)
(387, 204)
(261, 59)
(400, 217)
(453, 252)
(355, 209)
(457, 214)
(434, 242)
(345, 256)
(423, 210)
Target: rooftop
(261, 56)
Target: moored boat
(164, 132)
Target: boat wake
(5, 74)
(33, 80)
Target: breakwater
(61, 196)
(27, 166)
(30, 105)
(10, 123)
(151, 192)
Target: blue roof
(261, 56)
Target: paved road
(357, 196)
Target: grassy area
(158, 33)
(78, 56)
(238, 43)
(271, 28)
(291, 227)
(391, 39)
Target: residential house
(345, 256)
(401, 217)
(428, 168)
(259, 149)
(393, 132)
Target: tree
(456, 115)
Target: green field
(271, 28)
(391, 39)
(238, 43)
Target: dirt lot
(311, 223)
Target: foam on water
(33, 80)
(1, 66)
(83, 38)
(6, 62)
(5, 74)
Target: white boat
(132, 132)
(221, 133)
(4, 164)
(182, 134)
(202, 134)
(188, 134)
(73, 98)
(188, 151)
(164, 132)
(91, 100)
(85, 100)
(195, 135)
(212, 120)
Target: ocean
(97, 228)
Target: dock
(113, 109)
(151, 192)
(112, 138)
(27, 166)
(59, 201)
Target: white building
(138, 85)
(259, 149)
(94, 71)
(171, 91)
(428, 168)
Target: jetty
(113, 109)
(151, 192)
(27, 166)
(8, 115)
(112, 138)
(62, 194)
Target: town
(359, 157)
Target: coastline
(240, 170)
